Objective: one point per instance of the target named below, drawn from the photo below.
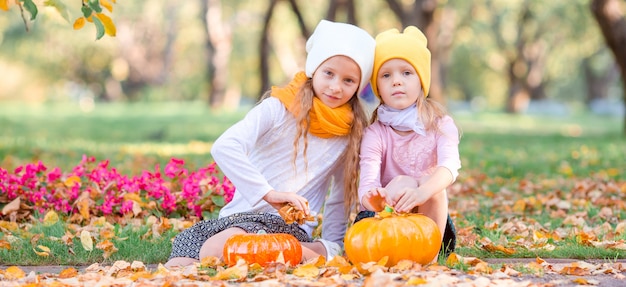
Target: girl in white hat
(298, 146)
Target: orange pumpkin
(262, 248)
(399, 236)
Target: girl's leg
(214, 246)
(180, 262)
(311, 250)
(437, 209)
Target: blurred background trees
(519, 56)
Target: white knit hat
(332, 39)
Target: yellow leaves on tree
(92, 11)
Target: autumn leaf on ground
(8, 226)
(13, 273)
(5, 244)
(11, 206)
(344, 267)
(237, 272)
(487, 245)
(108, 248)
(482, 267)
(86, 241)
(68, 273)
(83, 204)
(45, 251)
(210, 262)
(306, 271)
(50, 218)
(371, 267)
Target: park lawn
(530, 186)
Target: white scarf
(402, 120)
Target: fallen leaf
(68, 273)
(237, 272)
(5, 244)
(9, 226)
(108, 248)
(306, 271)
(11, 206)
(45, 251)
(50, 218)
(83, 207)
(86, 241)
(416, 281)
(13, 273)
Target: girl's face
(398, 84)
(336, 80)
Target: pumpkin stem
(389, 208)
(388, 211)
(262, 231)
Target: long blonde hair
(304, 98)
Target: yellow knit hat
(409, 46)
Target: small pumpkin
(409, 236)
(262, 248)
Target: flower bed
(95, 189)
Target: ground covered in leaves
(337, 272)
(496, 218)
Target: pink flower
(127, 207)
(54, 174)
(229, 189)
(179, 191)
(174, 168)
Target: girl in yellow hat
(409, 154)
(295, 146)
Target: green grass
(126, 134)
(128, 240)
(498, 151)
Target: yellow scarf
(326, 122)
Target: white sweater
(256, 154)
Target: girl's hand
(279, 199)
(408, 198)
(374, 199)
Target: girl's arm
(448, 164)
(370, 167)
(230, 150)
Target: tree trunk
(264, 46)
(347, 5)
(264, 50)
(525, 59)
(610, 18)
(218, 46)
(598, 82)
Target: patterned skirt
(189, 241)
